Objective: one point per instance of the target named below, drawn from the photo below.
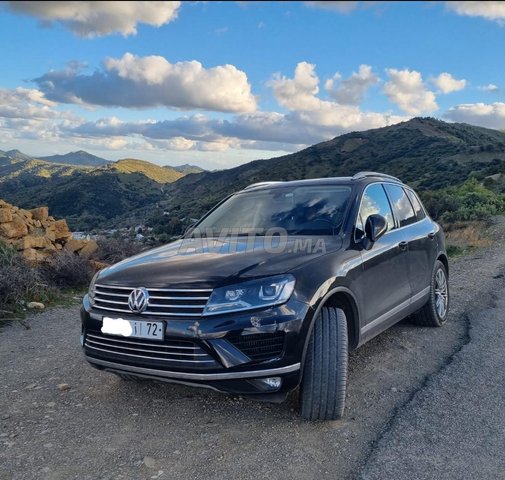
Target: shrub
(19, 282)
(66, 269)
(113, 250)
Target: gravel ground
(420, 401)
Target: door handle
(403, 245)
(431, 235)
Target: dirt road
(410, 390)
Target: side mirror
(375, 227)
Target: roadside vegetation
(54, 282)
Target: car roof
(360, 177)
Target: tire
(433, 314)
(324, 382)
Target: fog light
(273, 382)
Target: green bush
(469, 201)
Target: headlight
(91, 290)
(249, 295)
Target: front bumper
(229, 362)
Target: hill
(87, 197)
(186, 169)
(428, 154)
(150, 170)
(80, 158)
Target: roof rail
(360, 175)
(261, 184)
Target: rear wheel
(324, 382)
(435, 311)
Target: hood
(211, 262)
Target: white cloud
(92, 19)
(299, 92)
(483, 114)
(407, 90)
(352, 90)
(152, 81)
(490, 87)
(489, 10)
(25, 103)
(341, 7)
(446, 83)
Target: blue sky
(221, 83)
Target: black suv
(271, 289)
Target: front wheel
(324, 382)
(435, 311)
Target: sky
(218, 84)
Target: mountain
(428, 154)
(186, 169)
(86, 196)
(150, 170)
(16, 155)
(80, 158)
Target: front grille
(169, 353)
(261, 346)
(162, 301)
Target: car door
(423, 247)
(384, 286)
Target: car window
(418, 208)
(374, 201)
(401, 205)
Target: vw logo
(138, 300)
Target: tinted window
(306, 210)
(401, 205)
(374, 201)
(420, 214)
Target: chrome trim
(120, 303)
(144, 350)
(139, 343)
(163, 314)
(115, 287)
(395, 310)
(149, 358)
(196, 376)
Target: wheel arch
(443, 258)
(339, 297)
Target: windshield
(307, 210)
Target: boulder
(60, 229)
(33, 256)
(73, 245)
(88, 249)
(96, 265)
(14, 229)
(4, 204)
(40, 213)
(35, 305)
(31, 241)
(5, 215)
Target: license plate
(133, 328)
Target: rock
(73, 245)
(63, 386)
(33, 242)
(96, 265)
(13, 229)
(60, 229)
(37, 223)
(33, 256)
(26, 214)
(50, 234)
(90, 247)
(4, 204)
(5, 215)
(149, 462)
(40, 213)
(35, 306)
